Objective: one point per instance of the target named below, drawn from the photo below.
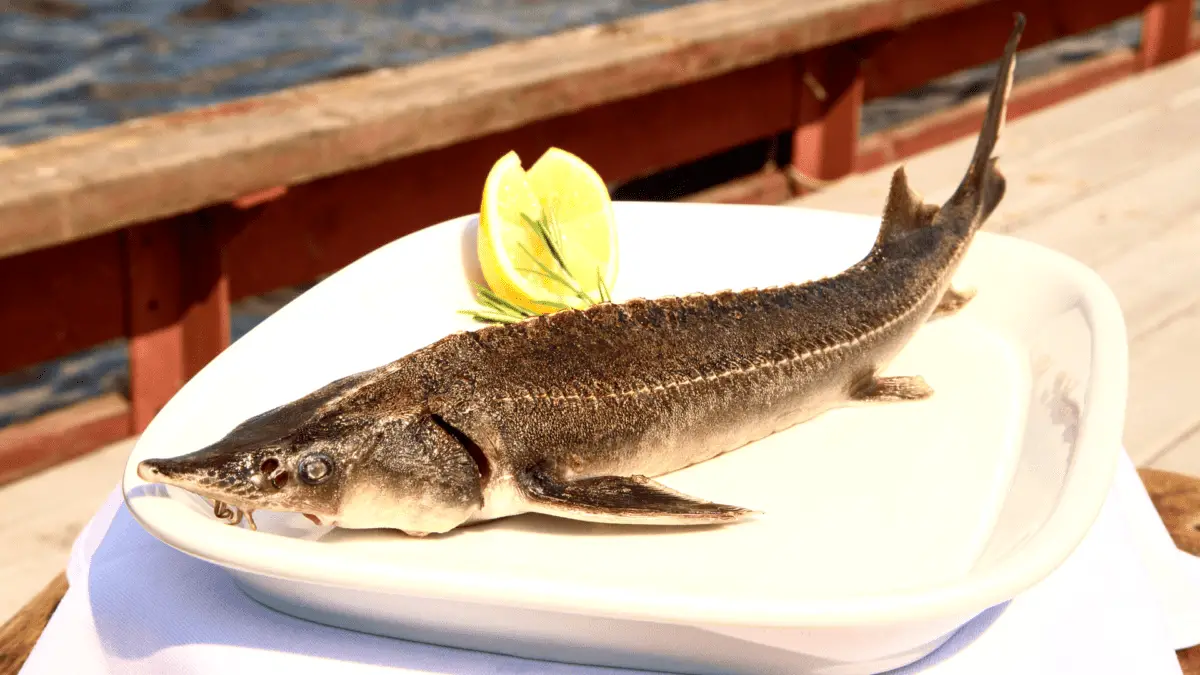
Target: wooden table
(1175, 496)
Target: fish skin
(569, 414)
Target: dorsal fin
(904, 210)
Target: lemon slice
(564, 197)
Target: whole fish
(567, 414)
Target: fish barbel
(572, 413)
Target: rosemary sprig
(605, 296)
(564, 279)
(547, 230)
(495, 309)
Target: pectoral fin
(894, 389)
(633, 500)
(953, 302)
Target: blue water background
(103, 61)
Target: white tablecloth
(1121, 605)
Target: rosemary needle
(495, 309)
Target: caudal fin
(982, 187)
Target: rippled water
(72, 64)
(67, 65)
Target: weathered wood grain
(148, 168)
(61, 435)
(1182, 455)
(1164, 369)
(1106, 224)
(1157, 278)
(20, 633)
(43, 514)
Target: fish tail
(981, 188)
(984, 185)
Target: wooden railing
(150, 229)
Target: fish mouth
(230, 511)
(231, 508)
(163, 471)
(153, 470)
(173, 472)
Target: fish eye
(314, 469)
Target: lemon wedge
(547, 239)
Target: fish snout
(153, 470)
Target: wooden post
(1166, 31)
(206, 318)
(829, 97)
(177, 310)
(154, 268)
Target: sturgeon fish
(571, 414)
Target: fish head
(374, 458)
(421, 476)
(291, 473)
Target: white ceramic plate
(885, 527)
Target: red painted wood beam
(829, 95)
(770, 186)
(900, 61)
(317, 228)
(60, 300)
(1166, 31)
(53, 438)
(944, 126)
(930, 131)
(177, 308)
(154, 261)
(206, 321)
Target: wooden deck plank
(60, 435)
(1105, 224)
(1108, 179)
(1183, 456)
(1163, 415)
(1157, 279)
(41, 515)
